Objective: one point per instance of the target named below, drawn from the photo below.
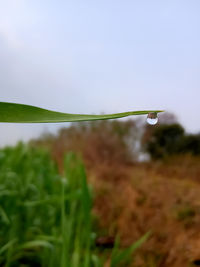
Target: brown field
(161, 197)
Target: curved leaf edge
(22, 113)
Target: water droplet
(152, 118)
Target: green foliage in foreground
(45, 219)
(19, 113)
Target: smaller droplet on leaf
(152, 118)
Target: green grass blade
(120, 256)
(4, 216)
(35, 244)
(8, 245)
(20, 113)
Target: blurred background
(101, 57)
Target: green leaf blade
(20, 113)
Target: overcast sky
(100, 56)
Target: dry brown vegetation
(146, 198)
(132, 198)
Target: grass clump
(45, 219)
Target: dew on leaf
(152, 118)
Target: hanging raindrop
(152, 118)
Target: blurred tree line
(100, 143)
(167, 140)
(170, 138)
(121, 141)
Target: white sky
(99, 56)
